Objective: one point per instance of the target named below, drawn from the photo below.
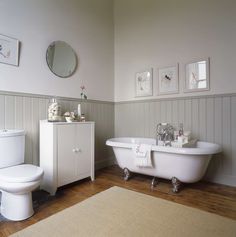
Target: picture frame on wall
(9, 50)
(143, 83)
(168, 80)
(197, 75)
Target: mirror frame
(76, 59)
(186, 90)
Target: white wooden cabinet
(66, 153)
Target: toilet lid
(21, 173)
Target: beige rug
(121, 212)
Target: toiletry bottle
(181, 129)
(176, 135)
(82, 118)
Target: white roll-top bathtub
(188, 165)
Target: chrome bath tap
(165, 133)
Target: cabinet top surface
(66, 123)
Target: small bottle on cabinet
(181, 129)
(82, 118)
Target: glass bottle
(54, 111)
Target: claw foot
(176, 185)
(126, 174)
(154, 182)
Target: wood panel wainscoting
(24, 111)
(209, 117)
(214, 198)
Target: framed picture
(197, 75)
(9, 50)
(143, 83)
(168, 80)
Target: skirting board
(105, 163)
(223, 179)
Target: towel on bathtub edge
(142, 155)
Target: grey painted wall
(161, 33)
(87, 26)
(23, 111)
(210, 118)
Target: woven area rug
(121, 212)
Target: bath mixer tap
(165, 133)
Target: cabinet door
(67, 157)
(84, 141)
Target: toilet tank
(12, 147)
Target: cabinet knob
(75, 150)
(78, 150)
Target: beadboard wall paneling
(210, 118)
(23, 111)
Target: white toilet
(17, 180)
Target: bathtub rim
(204, 148)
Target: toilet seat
(16, 184)
(21, 173)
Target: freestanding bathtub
(187, 165)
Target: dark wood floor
(213, 198)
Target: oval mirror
(61, 59)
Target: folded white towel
(142, 155)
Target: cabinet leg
(92, 178)
(52, 191)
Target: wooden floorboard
(214, 198)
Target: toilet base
(16, 207)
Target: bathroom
(113, 41)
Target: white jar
(54, 111)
